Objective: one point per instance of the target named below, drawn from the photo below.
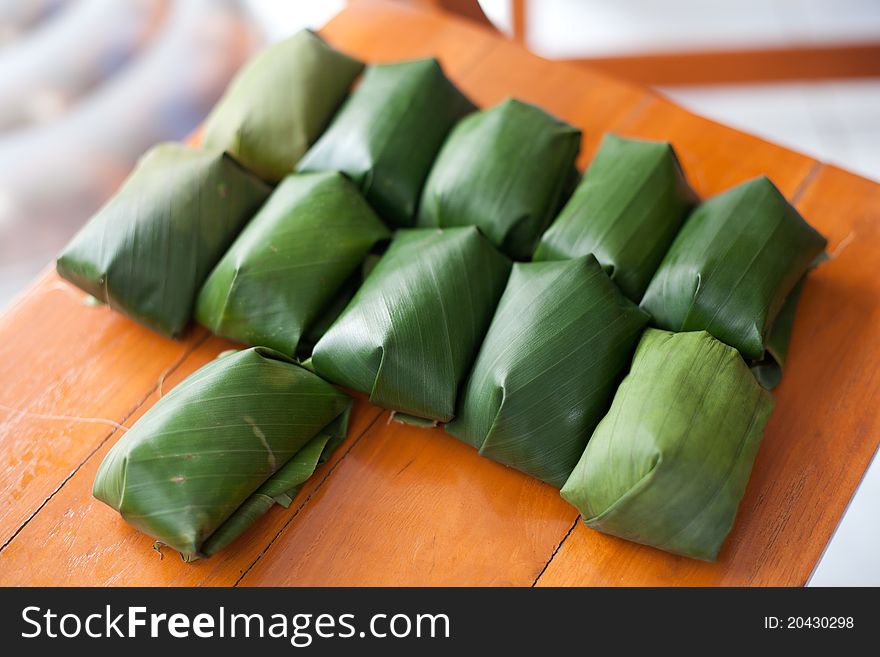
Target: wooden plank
(713, 156)
(415, 507)
(799, 62)
(577, 97)
(68, 372)
(593, 102)
(589, 100)
(76, 540)
(378, 32)
(819, 440)
(469, 9)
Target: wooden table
(400, 505)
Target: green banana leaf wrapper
(236, 437)
(730, 270)
(334, 310)
(504, 170)
(280, 102)
(560, 341)
(290, 262)
(388, 132)
(147, 252)
(626, 212)
(668, 465)
(412, 331)
(768, 370)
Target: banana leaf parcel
(503, 170)
(411, 332)
(557, 347)
(387, 134)
(732, 267)
(280, 102)
(290, 262)
(626, 212)
(669, 464)
(212, 456)
(147, 252)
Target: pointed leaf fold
(388, 133)
(213, 454)
(411, 332)
(504, 170)
(561, 338)
(147, 252)
(290, 262)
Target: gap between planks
(314, 490)
(556, 549)
(802, 187)
(131, 411)
(483, 52)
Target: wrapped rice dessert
(504, 170)
(147, 252)
(280, 102)
(236, 437)
(290, 262)
(410, 334)
(626, 211)
(557, 347)
(732, 266)
(669, 463)
(388, 133)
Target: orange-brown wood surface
(794, 62)
(412, 506)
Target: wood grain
(76, 540)
(68, 371)
(714, 156)
(796, 62)
(591, 101)
(415, 507)
(820, 437)
(402, 505)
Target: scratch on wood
(97, 447)
(807, 180)
(845, 242)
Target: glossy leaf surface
(411, 333)
(557, 347)
(235, 437)
(387, 134)
(504, 170)
(290, 262)
(626, 212)
(732, 266)
(147, 252)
